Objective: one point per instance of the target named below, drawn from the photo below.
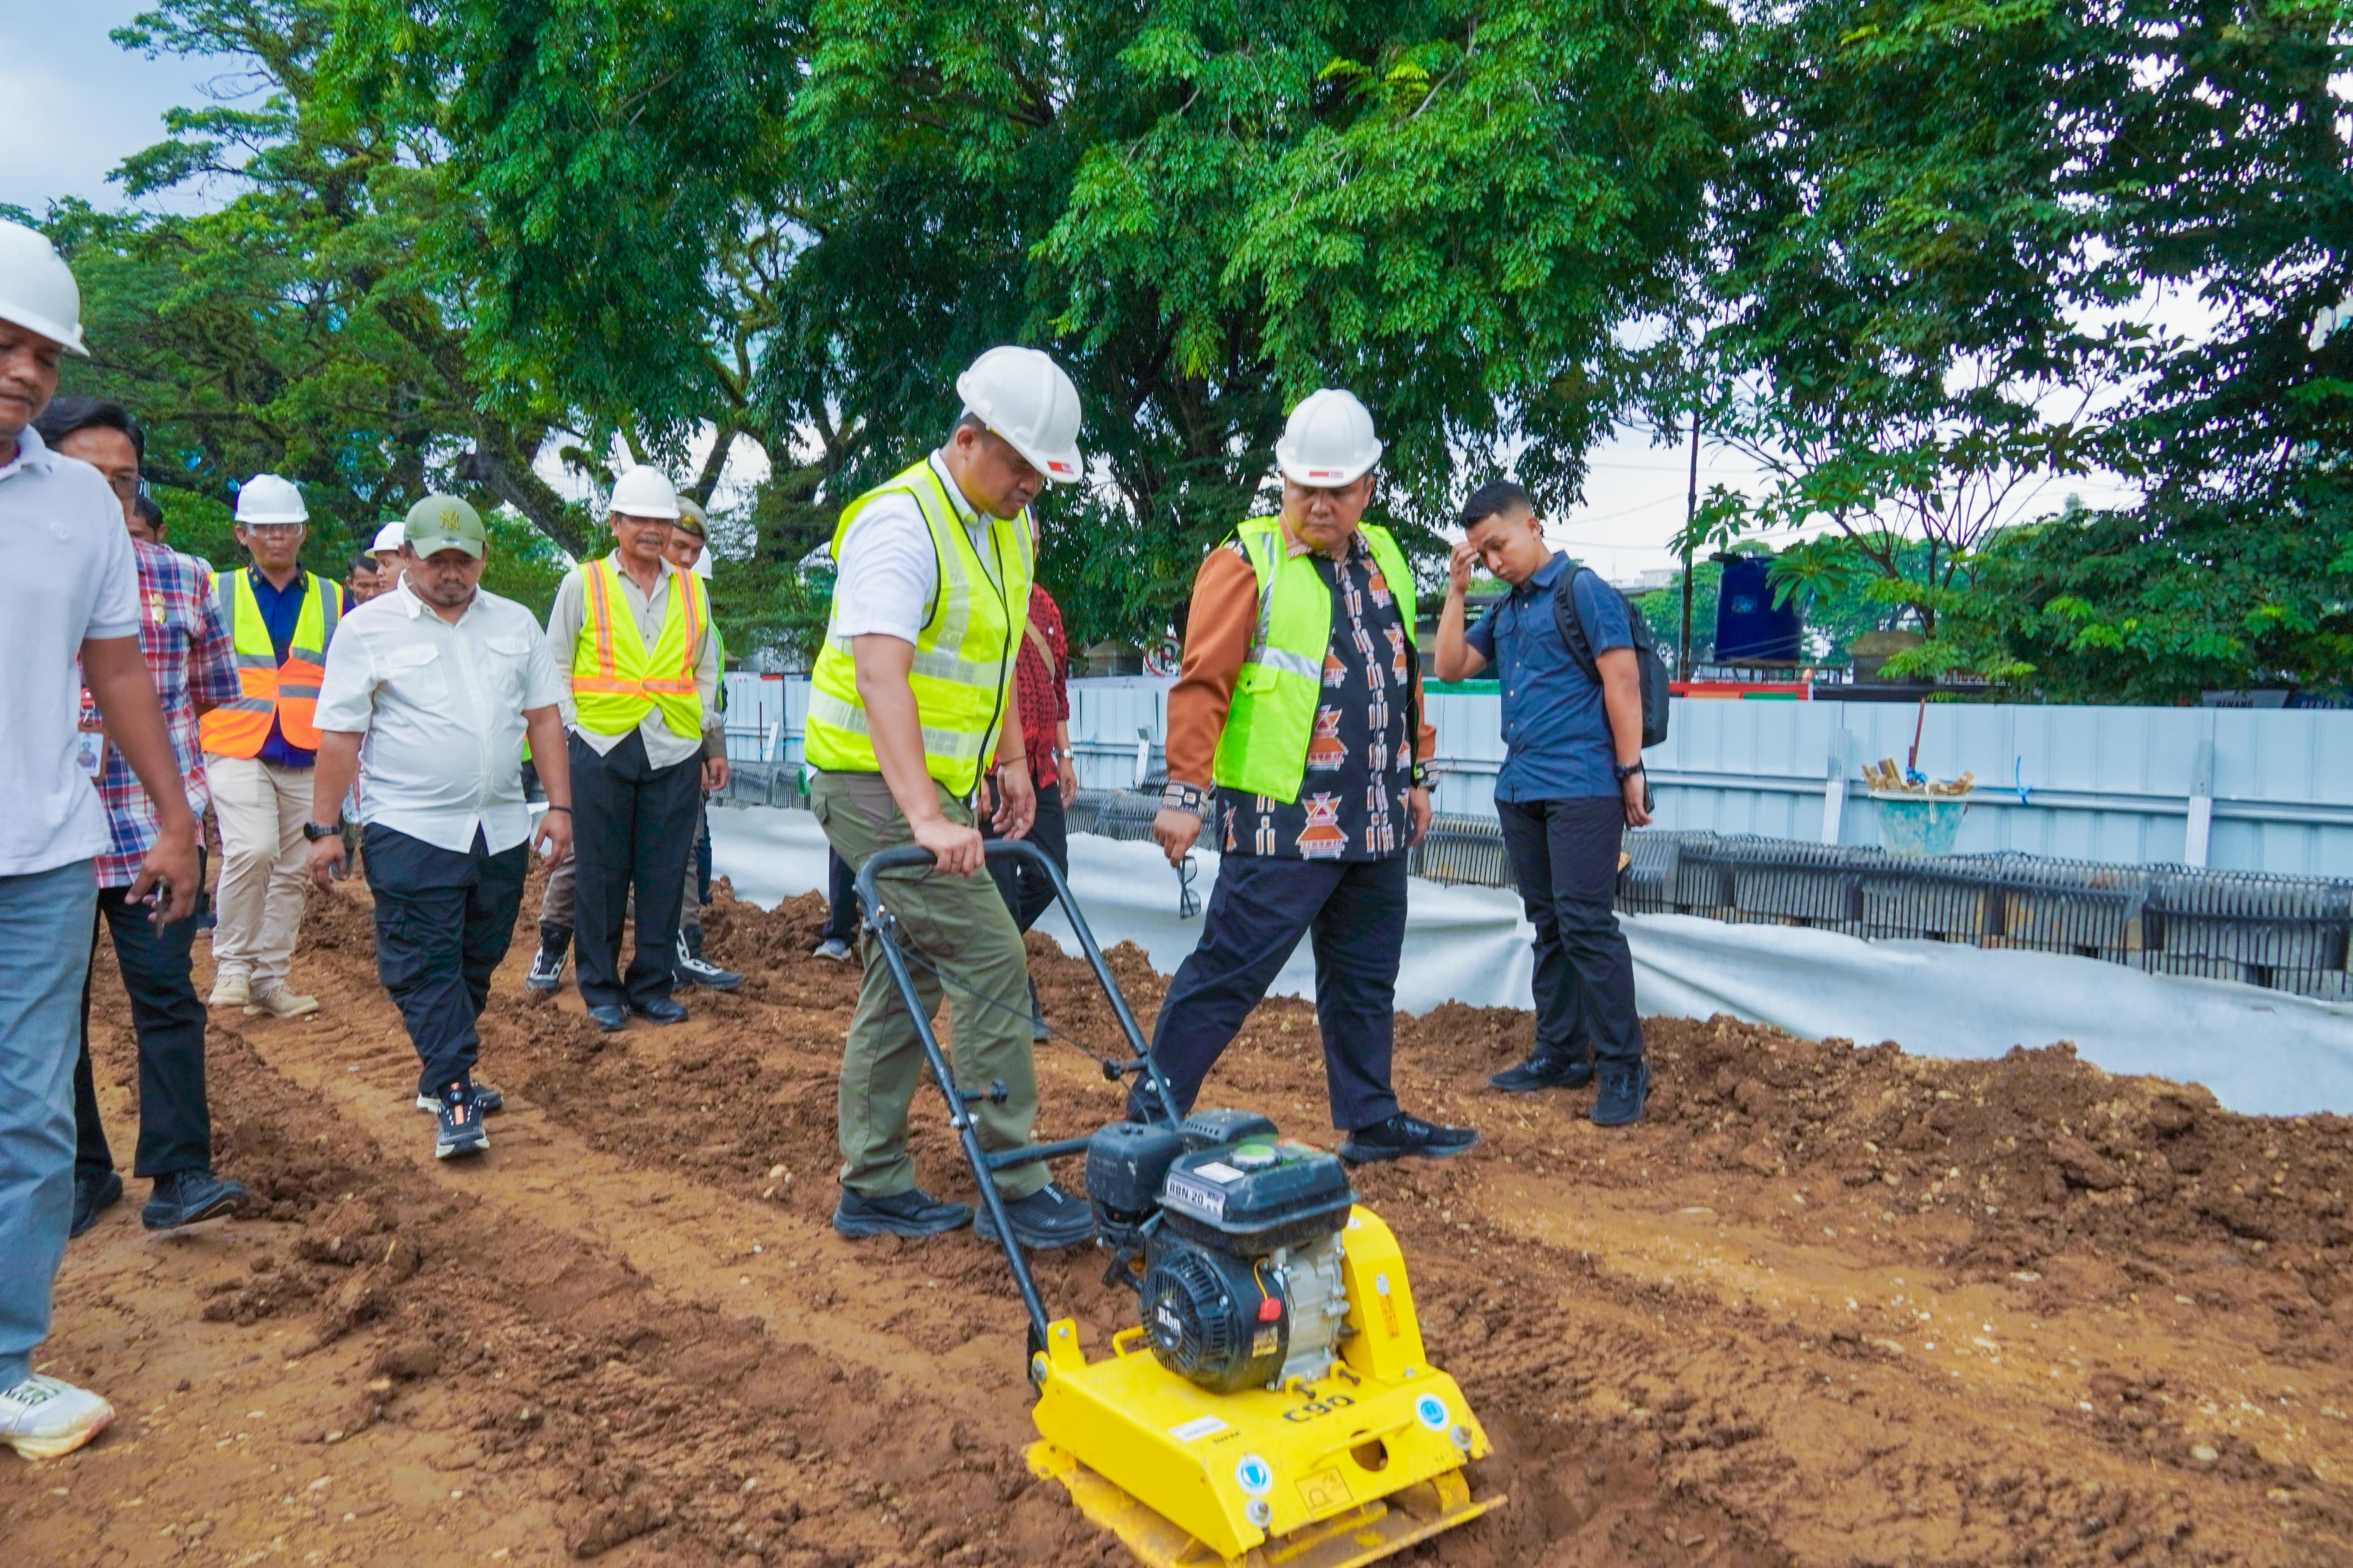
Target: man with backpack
(1568, 650)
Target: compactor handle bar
(984, 1164)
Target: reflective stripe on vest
(615, 679)
(962, 674)
(1263, 749)
(266, 689)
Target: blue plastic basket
(1919, 824)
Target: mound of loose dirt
(1826, 1305)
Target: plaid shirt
(189, 655)
(1044, 691)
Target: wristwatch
(313, 832)
(1626, 770)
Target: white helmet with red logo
(1027, 399)
(1328, 441)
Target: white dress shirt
(70, 577)
(664, 746)
(890, 569)
(442, 707)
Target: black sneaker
(94, 1196)
(1625, 1089)
(487, 1101)
(1544, 1071)
(1402, 1136)
(183, 1197)
(459, 1128)
(912, 1213)
(693, 969)
(1047, 1219)
(661, 1010)
(547, 975)
(612, 1018)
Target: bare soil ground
(1828, 1305)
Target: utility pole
(1691, 512)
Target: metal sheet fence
(2233, 789)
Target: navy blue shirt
(280, 609)
(1556, 730)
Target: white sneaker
(280, 1003)
(231, 991)
(832, 948)
(42, 1418)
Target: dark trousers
(1027, 892)
(632, 824)
(1260, 908)
(1564, 856)
(175, 1124)
(702, 854)
(443, 921)
(841, 912)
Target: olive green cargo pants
(960, 927)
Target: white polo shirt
(71, 577)
(442, 708)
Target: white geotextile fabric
(2262, 1052)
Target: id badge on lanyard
(89, 739)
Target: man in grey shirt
(631, 635)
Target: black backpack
(1653, 669)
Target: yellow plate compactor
(1272, 1406)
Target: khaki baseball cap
(445, 522)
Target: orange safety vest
(289, 692)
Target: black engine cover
(1126, 1163)
(1218, 1319)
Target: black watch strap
(1626, 770)
(314, 831)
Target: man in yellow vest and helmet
(1298, 713)
(259, 750)
(912, 705)
(631, 634)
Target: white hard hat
(702, 567)
(1023, 396)
(389, 537)
(37, 290)
(1328, 441)
(266, 498)
(645, 491)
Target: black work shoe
(661, 1010)
(546, 975)
(459, 1128)
(912, 1213)
(1047, 1219)
(611, 1020)
(1625, 1089)
(693, 969)
(1402, 1136)
(183, 1197)
(1038, 1030)
(1543, 1071)
(94, 1196)
(488, 1101)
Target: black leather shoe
(912, 1213)
(1542, 1071)
(661, 1010)
(1625, 1089)
(612, 1020)
(1402, 1136)
(94, 1196)
(183, 1197)
(1047, 1219)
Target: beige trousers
(261, 807)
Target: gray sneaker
(832, 948)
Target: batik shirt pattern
(1352, 802)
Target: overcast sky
(73, 105)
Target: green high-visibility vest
(1264, 748)
(962, 672)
